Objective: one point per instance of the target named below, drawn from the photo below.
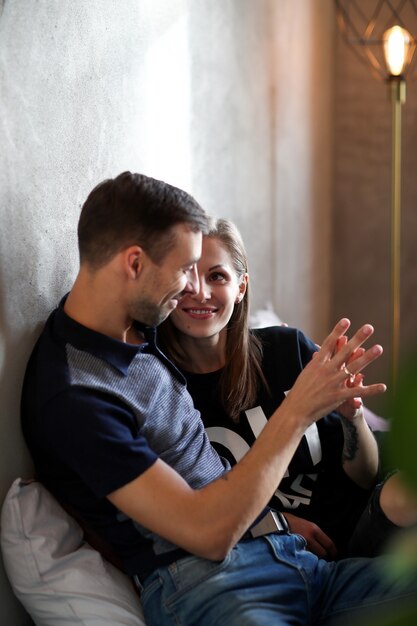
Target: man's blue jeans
(269, 581)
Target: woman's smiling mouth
(200, 313)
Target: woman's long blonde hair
(242, 373)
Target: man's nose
(203, 291)
(193, 282)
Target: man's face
(161, 286)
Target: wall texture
(222, 97)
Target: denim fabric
(272, 580)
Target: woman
(238, 377)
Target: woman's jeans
(274, 580)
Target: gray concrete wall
(222, 97)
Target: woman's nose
(203, 293)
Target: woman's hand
(360, 456)
(317, 540)
(352, 409)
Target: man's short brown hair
(133, 209)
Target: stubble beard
(148, 312)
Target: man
(114, 434)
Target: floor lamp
(382, 41)
(397, 42)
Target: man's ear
(133, 258)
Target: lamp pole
(398, 94)
(396, 45)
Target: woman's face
(207, 312)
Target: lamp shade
(382, 34)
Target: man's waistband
(271, 522)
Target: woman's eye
(217, 277)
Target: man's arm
(208, 522)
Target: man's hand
(322, 387)
(317, 540)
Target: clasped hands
(333, 378)
(353, 408)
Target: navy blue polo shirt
(96, 414)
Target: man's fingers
(357, 365)
(355, 355)
(345, 353)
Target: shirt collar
(117, 353)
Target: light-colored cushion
(262, 318)
(57, 576)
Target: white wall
(303, 163)
(262, 80)
(218, 96)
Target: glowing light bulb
(397, 42)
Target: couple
(115, 435)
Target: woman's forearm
(360, 457)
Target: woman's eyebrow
(216, 267)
